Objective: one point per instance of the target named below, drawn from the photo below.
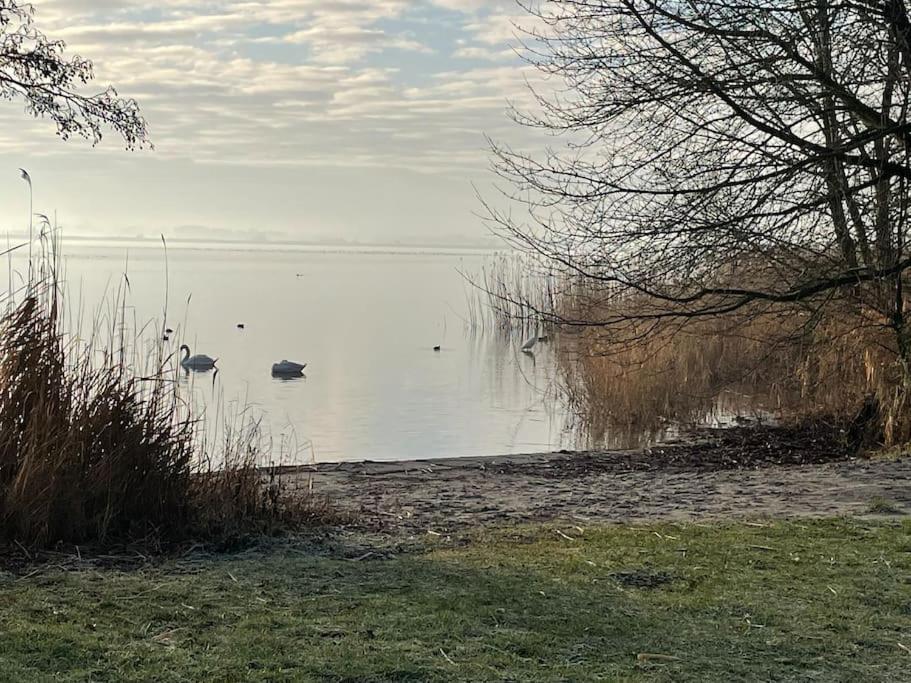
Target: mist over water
(365, 321)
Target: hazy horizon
(455, 242)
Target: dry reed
(788, 363)
(96, 452)
(512, 292)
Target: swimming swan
(198, 362)
(287, 367)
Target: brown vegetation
(510, 292)
(725, 187)
(91, 452)
(791, 364)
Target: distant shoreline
(264, 244)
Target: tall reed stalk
(96, 443)
(511, 292)
(788, 363)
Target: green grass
(808, 601)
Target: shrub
(93, 452)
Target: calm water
(366, 323)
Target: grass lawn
(803, 601)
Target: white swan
(530, 344)
(287, 367)
(198, 362)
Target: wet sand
(681, 482)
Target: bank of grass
(809, 600)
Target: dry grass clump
(790, 363)
(91, 452)
(237, 498)
(512, 291)
(85, 453)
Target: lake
(365, 320)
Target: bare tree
(35, 69)
(720, 157)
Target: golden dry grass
(98, 452)
(790, 363)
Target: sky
(358, 120)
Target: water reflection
(393, 371)
(390, 397)
(602, 430)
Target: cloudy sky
(308, 119)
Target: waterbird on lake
(437, 348)
(169, 331)
(528, 346)
(240, 326)
(288, 368)
(199, 362)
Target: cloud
(345, 44)
(335, 94)
(334, 82)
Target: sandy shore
(445, 495)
